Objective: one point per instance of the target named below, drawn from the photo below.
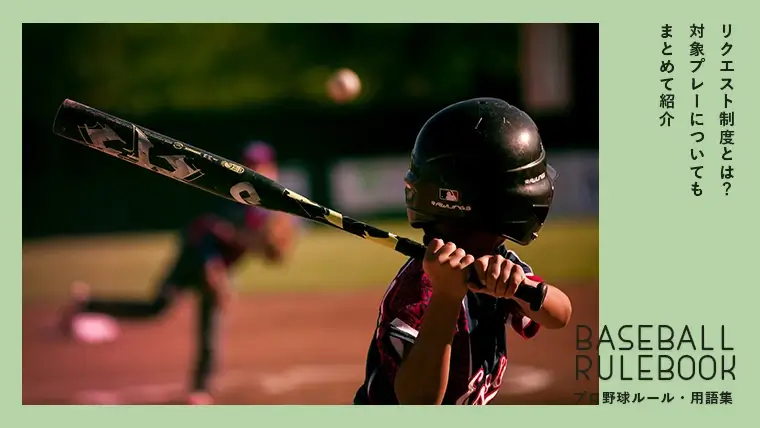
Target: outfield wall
(134, 200)
(372, 187)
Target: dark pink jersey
(200, 242)
(479, 348)
(200, 235)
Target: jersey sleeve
(401, 313)
(254, 218)
(520, 323)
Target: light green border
(666, 257)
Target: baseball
(344, 86)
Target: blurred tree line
(143, 68)
(218, 85)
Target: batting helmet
(481, 163)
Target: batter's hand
(499, 277)
(447, 268)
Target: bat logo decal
(233, 167)
(244, 193)
(99, 135)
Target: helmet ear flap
(410, 195)
(541, 212)
(410, 189)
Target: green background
(666, 256)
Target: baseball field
(296, 334)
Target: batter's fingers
(502, 284)
(494, 272)
(445, 252)
(467, 261)
(481, 267)
(455, 259)
(516, 277)
(432, 249)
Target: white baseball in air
(344, 86)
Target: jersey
(200, 241)
(478, 350)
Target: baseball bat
(222, 177)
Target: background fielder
(209, 248)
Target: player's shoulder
(512, 256)
(410, 286)
(404, 303)
(411, 276)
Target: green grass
(325, 259)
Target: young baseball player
(478, 177)
(209, 248)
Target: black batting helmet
(481, 163)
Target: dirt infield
(279, 349)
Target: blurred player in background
(208, 249)
(478, 177)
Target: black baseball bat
(221, 177)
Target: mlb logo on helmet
(448, 195)
(451, 200)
